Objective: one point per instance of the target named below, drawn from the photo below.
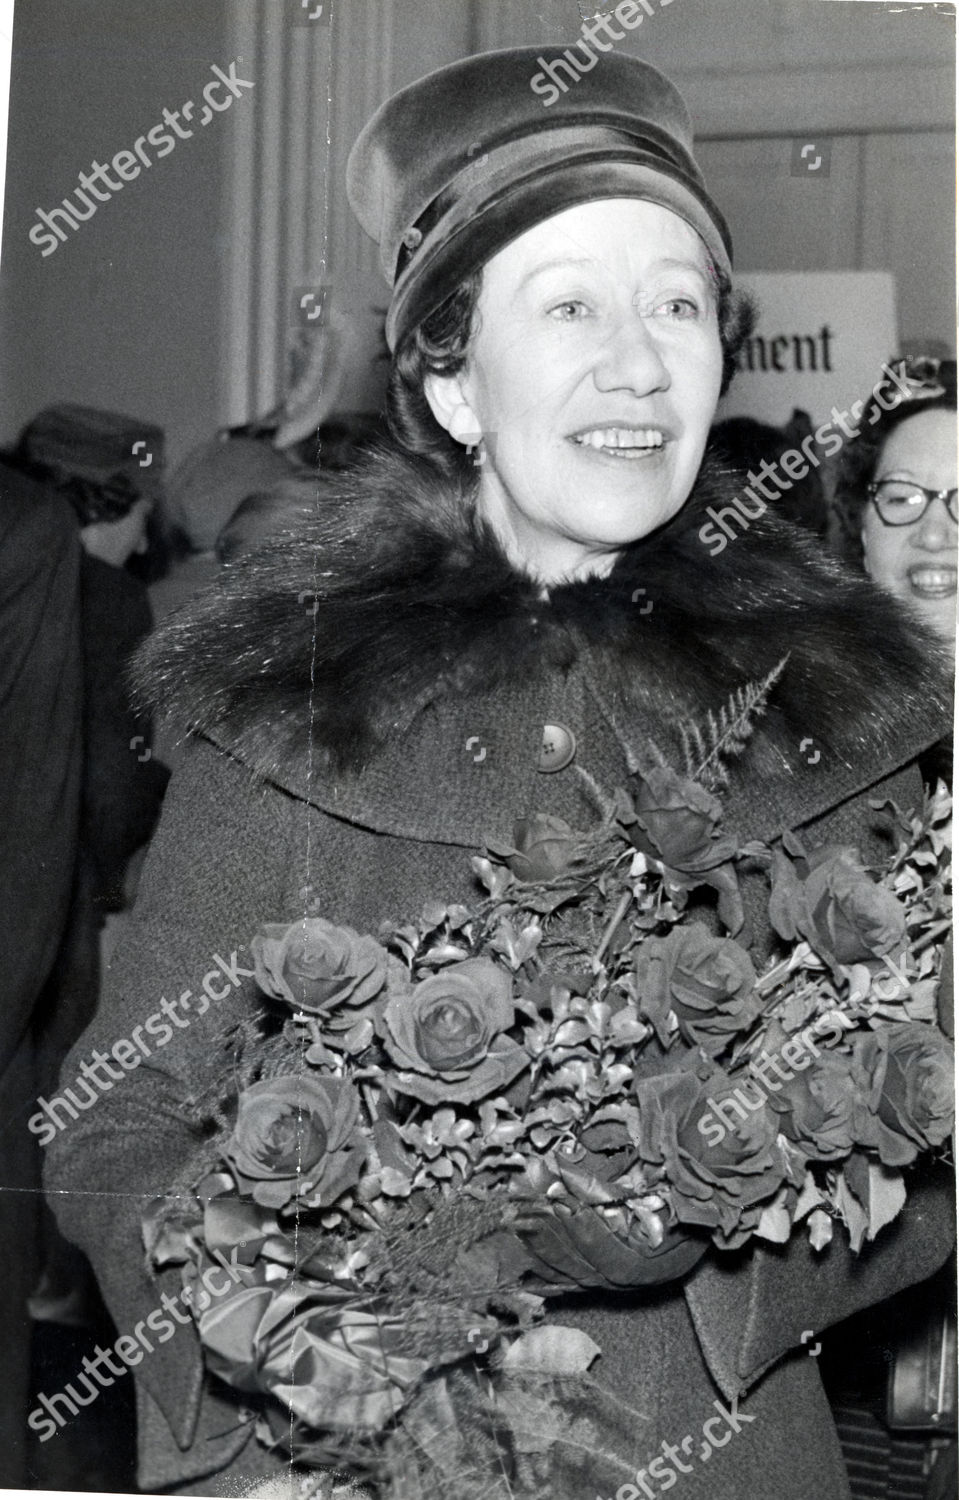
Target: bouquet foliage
(585, 1079)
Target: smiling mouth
(622, 442)
(928, 582)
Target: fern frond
(728, 733)
(694, 748)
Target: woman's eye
(568, 312)
(679, 307)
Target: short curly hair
(861, 456)
(439, 345)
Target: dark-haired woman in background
(897, 506)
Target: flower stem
(623, 907)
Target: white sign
(820, 342)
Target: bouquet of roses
(575, 1082)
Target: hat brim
(481, 221)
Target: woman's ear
(451, 409)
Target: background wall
(123, 314)
(177, 301)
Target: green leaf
(887, 1194)
(854, 1216)
(775, 1221)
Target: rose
(314, 966)
(574, 1230)
(297, 1137)
(335, 1368)
(446, 1034)
(545, 847)
(827, 898)
(816, 1108)
(675, 822)
(707, 982)
(714, 1144)
(905, 1073)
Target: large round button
(559, 748)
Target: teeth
(933, 578)
(621, 437)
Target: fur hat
(457, 165)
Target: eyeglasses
(900, 502)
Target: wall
(125, 314)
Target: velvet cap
(454, 167)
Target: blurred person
(40, 771)
(268, 514)
(121, 782)
(745, 443)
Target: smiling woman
(596, 373)
(562, 323)
(897, 494)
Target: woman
(897, 509)
(518, 589)
(897, 493)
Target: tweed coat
(341, 688)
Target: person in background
(266, 514)
(896, 507)
(122, 787)
(40, 768)
(896, 515)
(896, 497)
(745, 443)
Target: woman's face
(593, 376)
(917, 563)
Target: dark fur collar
(394, 596)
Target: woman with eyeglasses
(897, 496)
(897, 506)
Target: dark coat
(123, 784)
(41, 703)
(341, 687)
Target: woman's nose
(936, 530)
(630, 359)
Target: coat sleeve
(216, 870)
(751, 1308)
